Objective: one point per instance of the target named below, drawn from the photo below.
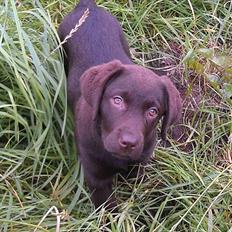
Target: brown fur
(117, 104)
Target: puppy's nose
(128, 141)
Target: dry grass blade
(75, 29)
(54, 211)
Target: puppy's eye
(152, 112)
(118, 100)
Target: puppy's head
(128, 101)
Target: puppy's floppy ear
(173, 106)
(93, 82)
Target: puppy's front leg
(99, 182)
(101, 192)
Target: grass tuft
(187, 186)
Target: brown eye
(118, 100)
(152, 112)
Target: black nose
(128, 141)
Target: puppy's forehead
(140, 71)
(138, 80)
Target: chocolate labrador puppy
(117, 104)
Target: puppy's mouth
(121, 156)
(126, 156)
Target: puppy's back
(98, 40)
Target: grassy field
(187, 186)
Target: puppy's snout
(128, 141)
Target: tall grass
(41, 182)
(35, 130)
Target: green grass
(183, 189)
